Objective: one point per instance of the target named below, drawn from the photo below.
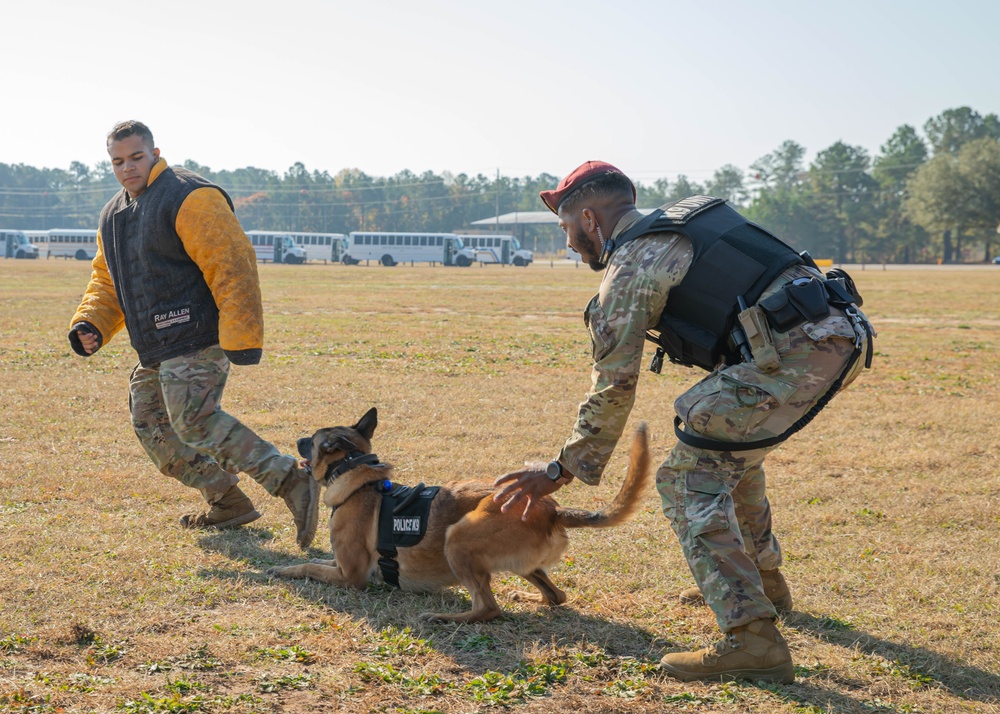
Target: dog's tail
(629, 496)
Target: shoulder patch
(680, 212)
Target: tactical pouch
(758, 334)
(841, 285)
(802, 300)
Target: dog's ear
(366, 425)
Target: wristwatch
(553, 470)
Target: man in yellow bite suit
(175, 268)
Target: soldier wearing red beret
(778, 339)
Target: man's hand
(84, 338)
(88, 340)
(530, 483)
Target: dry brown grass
(888, 508)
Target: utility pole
(497, 208)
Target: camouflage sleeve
(632, 296)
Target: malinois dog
(467, 536)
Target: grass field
(887, 507)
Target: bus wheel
(346, 260)
(387, 261)
(462, 262)
(81, 254)
(519, 262)
(19, 255)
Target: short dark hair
(612, 184)
(131, 127)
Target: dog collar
(351, 461)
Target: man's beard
(591, 258)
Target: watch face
(553, 470)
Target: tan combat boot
(233, 508)
(755, 651)
(775, 588)
(301, 495)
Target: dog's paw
(321, 561)
(525, 596)
(431, 617)
(275, 572)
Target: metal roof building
(517, 218)
(541, 226)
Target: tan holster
(758, 334)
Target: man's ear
(156, 155)
(588, 219)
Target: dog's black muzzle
(305, 447)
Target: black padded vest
(169, 308)
(733, 258)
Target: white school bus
(398, 247)
(16, 244)
(276, 247)
(79, 243)
(503, 249)
(328, 247)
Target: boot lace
(727, 644)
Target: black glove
(74, 338)
(244, 357)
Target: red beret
(587, 171)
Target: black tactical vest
(733, 258)
(402, 522)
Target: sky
(523, 87)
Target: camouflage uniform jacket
(632, 295)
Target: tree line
(925, 197)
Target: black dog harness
(402, 522)
(403, 512)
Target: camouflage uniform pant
(177, 416)
(715, 500)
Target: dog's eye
(338, 444)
